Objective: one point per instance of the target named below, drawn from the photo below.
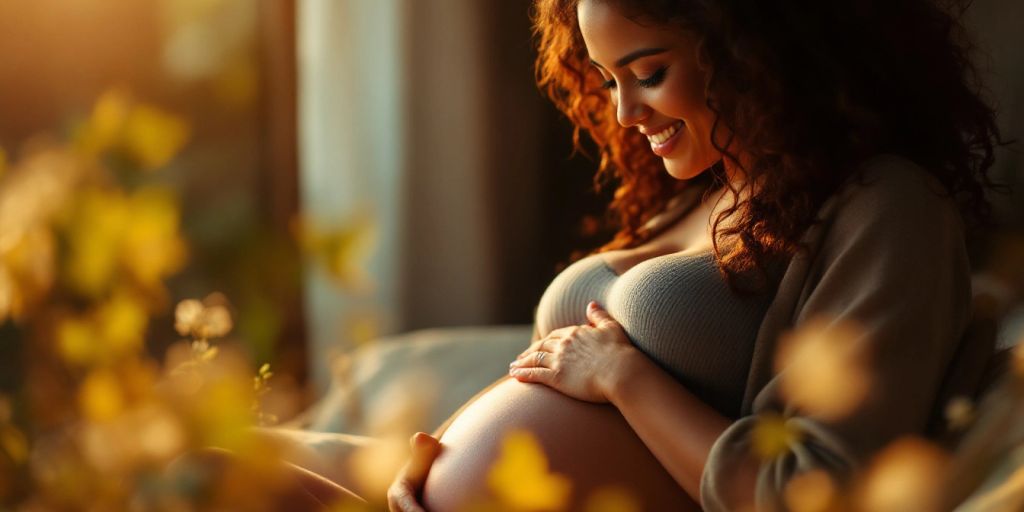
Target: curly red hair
(808, 89)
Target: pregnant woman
(775, 162)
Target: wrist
(631, 363)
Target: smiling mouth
(663, 142)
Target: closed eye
(656, 78)
(652, 80)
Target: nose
(629, 109)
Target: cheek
(683, 97)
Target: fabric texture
(677, 309)
(889, 255)
(424, 376)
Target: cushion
(412, 382)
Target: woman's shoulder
(892, 175)
(895, 189)
(893, 206)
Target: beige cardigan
(890, 255)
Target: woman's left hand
(579, 361)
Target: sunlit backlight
(959, 413)
(100, 396)
(612, 499)
(812, 491)
(822, 370)
(375, 465)
(520, 477)
(906, 475)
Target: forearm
(676, 426)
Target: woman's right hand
(403, 495)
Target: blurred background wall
(412, 126)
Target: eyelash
(646, 83)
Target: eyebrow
(643, 52)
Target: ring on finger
(540, 357)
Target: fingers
(424, 450)
(597, 316)
(534, 347)
(549, 343)
(403, 493)
(539, 375)
(402, 498)
(534, 360)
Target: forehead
(609, 34)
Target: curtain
(405, 112)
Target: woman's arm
(659, 410)
(597, 363)
(889, 258)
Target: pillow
(413, 382)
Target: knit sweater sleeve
(891, 259)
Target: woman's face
(655, 84)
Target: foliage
(88, 238)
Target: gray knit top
(677, 309)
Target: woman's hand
(403, 495)
(583, 361)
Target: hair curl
(808, 89)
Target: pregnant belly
(590, 444)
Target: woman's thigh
(222, 480)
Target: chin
(686, 170)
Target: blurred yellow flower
(612, 499)
(152, 248)
(342, 252)
(811, 491)
(822, 370)
(159, 433)
(149, 135)
(116, 328)
(773, 436)
(959, 413)
(222, 407)
(187, 314)
(520, 477)
(94, 233)
(122, 323)
(34, 191)
(76, 340)
(105, 124)
(100, 396)
(907, 475)
(203, 321)
(153, 136)
(29, 265)
(138, 234)
(26, 272)
(30, 196)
